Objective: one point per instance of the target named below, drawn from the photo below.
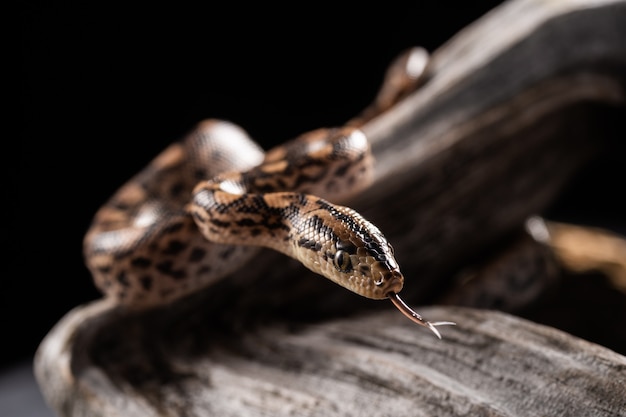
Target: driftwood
(492, 364)
(500, 126)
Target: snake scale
(203, 208)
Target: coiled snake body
(205, 205)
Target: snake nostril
(391, 280)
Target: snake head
(368, 266)
(338, 243)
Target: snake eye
(342, 261)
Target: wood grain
(492, 364)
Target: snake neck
(333, 241)
(246, 218)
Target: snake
(207, 204)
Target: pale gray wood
(375, 364)
(490, 139)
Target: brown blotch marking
(225, 254)
(197, 217)
(341, 170)
(104, 269)
(309, 244)
(166, 268)
(174, 247)
(220, 223)
(246, 222)
(308, 179)
(331, 185)
(174, 227)
(120, 205)
(141, 262)
(123, 279)
(197, 254)
(364, 269)
(146, 282)
(200, 174)
(272, 223)
(177, 189)
(205, 269)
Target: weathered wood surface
(489, 140)
(377, 364)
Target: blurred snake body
(203, 208)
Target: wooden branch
(493, 364)
(502, 123)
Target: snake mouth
(396, 282)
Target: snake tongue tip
(443, 323)
(431, 326)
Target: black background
(105, 89)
